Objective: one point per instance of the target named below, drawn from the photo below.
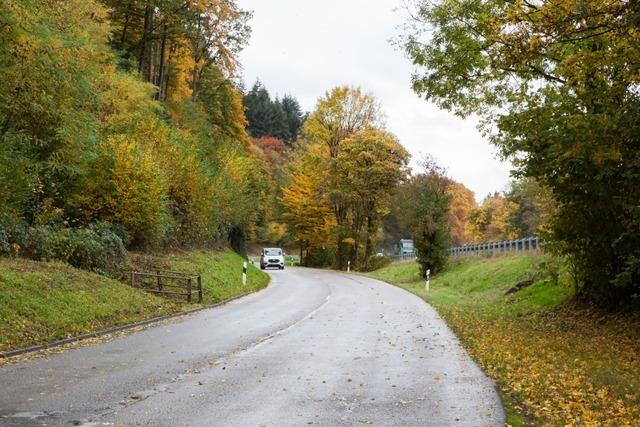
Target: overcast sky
(306, 47)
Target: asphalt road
(314, 348)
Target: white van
(271, 257)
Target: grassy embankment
(45, 301)
(557, 363)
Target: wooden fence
(168, 283)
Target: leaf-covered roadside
(556, 363)
(566, 367)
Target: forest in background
(125, 125)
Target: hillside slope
(44, 301)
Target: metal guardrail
(516, 245)
(403, 258)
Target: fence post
(244, 273)
(427, 283)
(189, 290)
(133, 282)
(349, 263)
(159, 283)
(199, 288)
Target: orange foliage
(270, 145)
(462, 203)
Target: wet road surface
(315, 348)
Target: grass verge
(42, 302)
(557, 363)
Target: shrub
(97, 247)
(319, 258)
(376, 263)
(12, 234)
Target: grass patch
(556, 362)
(45, 301)
(221, 273)
(42, 302)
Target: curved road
(315, 348)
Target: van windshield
(273, 252)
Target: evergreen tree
(277, 118)
(294, 117)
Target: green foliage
(96, 248)
(377, 262)
(319, 257)
(422, 206)
(294, 115)
(276, 118)
(162, 152)
(42, 302)
(556, 89)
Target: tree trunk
(195, 77)
(143, 41)
(151, 48)
(368, 251)
(125, 27)
(238, 241)
(161, 67)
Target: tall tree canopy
(175, 42)
(339, 114)
(422, 206)
(281, 119)
(127, 116)
(556, 84)
(345, 166)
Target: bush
(376, 263)
(319, 258)
(97, 247)
(12, 234)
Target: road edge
(505, 401)
(102, 332)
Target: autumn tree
(490, 221)
(533, 208)
(424, 203)
(338, 115)
(370, 165)
(91, 141)
(556, 86)
(175, 42)
(462, 204)
(307, 210)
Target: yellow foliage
(489, 222)
(306, 208)
(566, 368)
(462, 203)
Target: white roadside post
(428, 279)
(348, 266)
(244, 273)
